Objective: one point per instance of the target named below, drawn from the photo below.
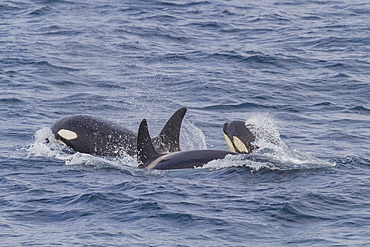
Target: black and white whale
(236, 134)
(239, 138)
(91, 135)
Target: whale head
(238, 137)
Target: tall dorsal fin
(169, 138)
(145, 148)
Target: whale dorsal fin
(169, 138)
(145, 148)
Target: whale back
(149, 158)
(92, 135)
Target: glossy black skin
(149, 158)
(240, 130)
(100, 137)
(188, 159)
(96, 136)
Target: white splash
(266, 130)
(191, 137)
(54, 149)
(234, 161)
(273, 152)
(41, 148)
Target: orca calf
(91, 135)
(239, 138)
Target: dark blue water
(299, 70)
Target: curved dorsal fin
(145, 148)
(169, 138)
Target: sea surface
(299, 71)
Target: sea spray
(266, 130)
(273, 152)
(191, 137)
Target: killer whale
(96, 136)
(149, 158)
(239, 138)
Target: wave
(359, 110)
(253, 106)
(273, 159)
(184, 5)
(11, 100)
(51, 66)
(41, 11)
(245, 105)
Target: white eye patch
(230, 145)
(240, 145)
(67, 134)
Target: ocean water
(298, 70)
